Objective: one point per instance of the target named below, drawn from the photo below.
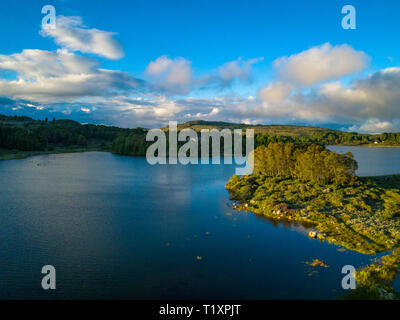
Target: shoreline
(19, 155)
(365, 145)
(352, 216)
(359, 217)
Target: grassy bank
(363, 216)
(375, 282)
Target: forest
(20, 133)
(23, 134)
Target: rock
(327, 190)
(312, 234)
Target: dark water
(373, 161)
(116, 227)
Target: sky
(144, 63)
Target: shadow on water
(302, 227)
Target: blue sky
(143, 63)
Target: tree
(314, 163)
(82, 141)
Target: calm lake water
(115, 227)
(373, 161)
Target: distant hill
(21, 136)
(274, 130)
(197, 125)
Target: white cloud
(43, 64)
(72, 34)
(301, 92)
(320, 63)
(171, 75)
(370, 103)
(376, 126)
(150, 111)
(237, 69)
(286, 97)
(50, 76)
(276, 92)
(376, 96)
(175, 76)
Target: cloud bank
(323, 84)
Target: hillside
(22, 136)
(274, 130)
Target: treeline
(333, 138)
(311, 163)
(131, 143)
(19, 139)
(25, 134)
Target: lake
(115, 227)
(373, 161)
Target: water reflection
(116, 227)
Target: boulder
(312, 234)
